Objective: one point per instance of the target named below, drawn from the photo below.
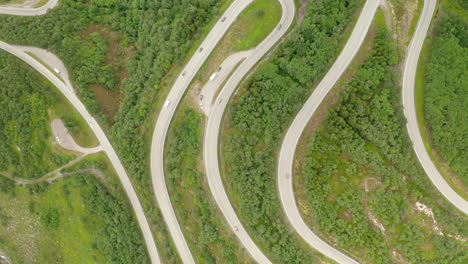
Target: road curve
(291, 140)
(213, 127)
(409, 106)
(165, 117)
(20, 11)
(104, 142)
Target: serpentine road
(291, 140)
(409, 77)
(214, 122)
(67, 91)
(25, 11)
(165, 117)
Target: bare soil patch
(118, 52)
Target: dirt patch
(66, 141)
(302, 11)
(403, 14)
(109, 101)
(118, 52)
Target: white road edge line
(409, 104)
(104, 142)
(291, 140)
(67, 91)
(165, 117)
(211, 139)
(19, 11)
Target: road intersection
(166, 114)
(211, 140)
(215, 115)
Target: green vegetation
(29, 103)
(211, 240)
(40, 3)
(262, 112)
(445, 92)
(83, 221)
(257, 21)
(362, 179)
(73, 220)
(8, 1)
(160, 34)
(249, 29)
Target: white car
(220, 100)
(213, 76)
(57, 139)
(56, 70)
(167, 103)
(236, 228)
(90, 123)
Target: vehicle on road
(57, 70)
(167, 103)
(213, 76)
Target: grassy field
(27, 237)
(250, 28)
(74, 215)
(255, 23)
(38, 4)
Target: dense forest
(364, 186)
(159, 34)
(210, 239)
(262, 112)
(25, 100)
(446, 90)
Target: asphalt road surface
(213, 127)
(409, 76)
(104, 142)
(291, 140)
(165, 117)
(20, 11)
